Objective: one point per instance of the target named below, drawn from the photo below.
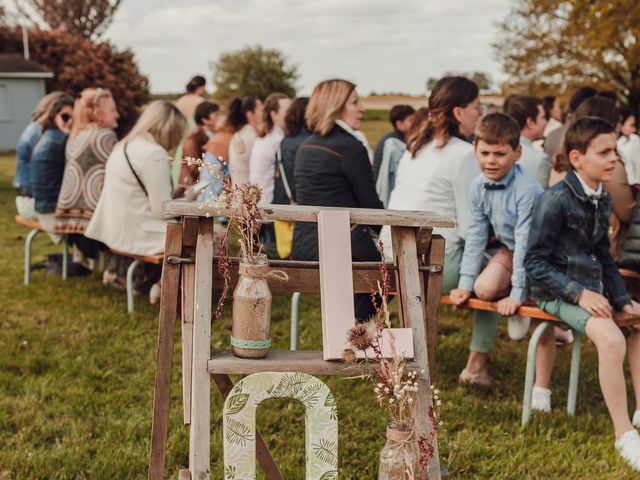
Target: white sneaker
(517, 327)
(636, 419)
(629, 447)
(154, 294)
(541, 399)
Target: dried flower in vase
(395, 384)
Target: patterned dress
(86, 155)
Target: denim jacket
(24, 149)
(569, 246)
(47, 169)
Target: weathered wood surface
(530, 310)
(199, 432)
(164, 356)
(411, 303)
(304, 361)
(431, 287)
(189, 238)
(303, 213)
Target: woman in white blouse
(262, 164)
(435, 174)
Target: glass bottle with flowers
(251, 312)
(406, 452)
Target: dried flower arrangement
(396, 386)
(245, 218)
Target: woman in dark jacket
(332, 169)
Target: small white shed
(21, 88)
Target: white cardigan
(436, 180)
(125, 218)
(262, 165)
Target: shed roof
(15, 66)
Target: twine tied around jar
(262, 271)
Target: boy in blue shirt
(501, 199)
(574, 277)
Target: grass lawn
(77, 372)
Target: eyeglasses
(65, 117)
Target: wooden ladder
(188, 268)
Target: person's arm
(355, 165)
(524, 208)
(621, 194)
(476, 243)
(547, 224)
(544, 171)
(156, 177)
(613, 284)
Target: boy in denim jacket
(574, 277)
(501, 199)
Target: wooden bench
(35, 227)
(137, 260)
(530, 310)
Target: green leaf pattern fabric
(321, 423)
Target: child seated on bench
(500, 198)
(573, 275)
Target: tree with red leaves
(78, 63)
(84, 18)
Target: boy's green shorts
(573, 315)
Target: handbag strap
(134, 172)
(285, 182)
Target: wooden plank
(268, 464)
(307, 280)
(527, 310)
(199, 432)
(164, 353)
(432, 289)
(155, 259)
(406, 258)
(304, 361)
(530, 310)
(189, 231)
(188, 306)
(305, 213)
(29, 222)
(336, 281)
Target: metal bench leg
(130, 270)
(295, 314)
(27, 255)
(575, 373)
(531, 370)
(65, 259)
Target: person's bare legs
(492, 284)
(545, 356)
(611, 346)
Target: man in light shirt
(531, 118)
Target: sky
(380, 45)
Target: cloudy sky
(382, 45)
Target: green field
(77, 372)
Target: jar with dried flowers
(406, 452)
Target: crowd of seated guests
(543, 203)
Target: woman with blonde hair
(137, 180)
(91, 140)
(332, 169)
